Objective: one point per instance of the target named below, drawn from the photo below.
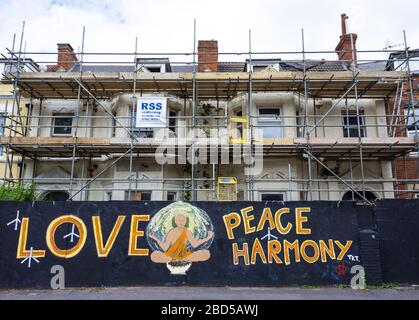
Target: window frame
(276, 121)
(352, 114)
(411, 132)
(173, 118)
(172, 193)
(409, 115)
(269, 192)
(56, 116)
(142, 133)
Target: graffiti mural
(309, 250)
(179, 235)
(132, 243)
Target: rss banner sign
(151, 112)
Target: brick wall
(408, 167)
(207, 55)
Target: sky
(167, 25)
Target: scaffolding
(194, 87)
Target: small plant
(18, 192)
(187, 195)
(307, 286)
(384, 285)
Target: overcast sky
(167, 25)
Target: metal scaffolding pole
(16, 103)
(194, 133)
(339, 178)
(11, 119)
(133, 113)
(250, 139)
(309, 182)
(79, 104)
(350, 159)
(99, 174)
(354, 63)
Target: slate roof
(231, 66)
(373, 66)
(222, 67)
(182, 68)
(102, 68)
(312, 65)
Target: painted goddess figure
(180, 235)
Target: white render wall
(274, 177)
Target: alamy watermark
(358, 280)
(58, 280)
(214, 147)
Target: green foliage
(187, 194)
(307, 286)
(384, 285)
(20, 192)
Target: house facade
(318, 129)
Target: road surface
(195, 293)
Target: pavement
(212, 293)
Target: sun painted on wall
(180, 235)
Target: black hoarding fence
(94, 244)
(398, 224)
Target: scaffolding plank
(375, 84)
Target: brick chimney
(345, 42)
(207, 56)
(66, 57)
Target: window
(259, 68)
(350, 124)
(63, 124)
(272, 196)
(138, 195)
(114, 124)
(413, 126)
(412, 120)
(154, 69)
(239, 126)
(270, 123)
(172, 122)
(108, 196)
(139, 132)
(171, 196)
(56, 196)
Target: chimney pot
(344, 18)
(347, 43)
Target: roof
(158, 61)
(102, 68)
(298, 65)
(312, 65)
(231, 66)
(182, 68)
(373, 66)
